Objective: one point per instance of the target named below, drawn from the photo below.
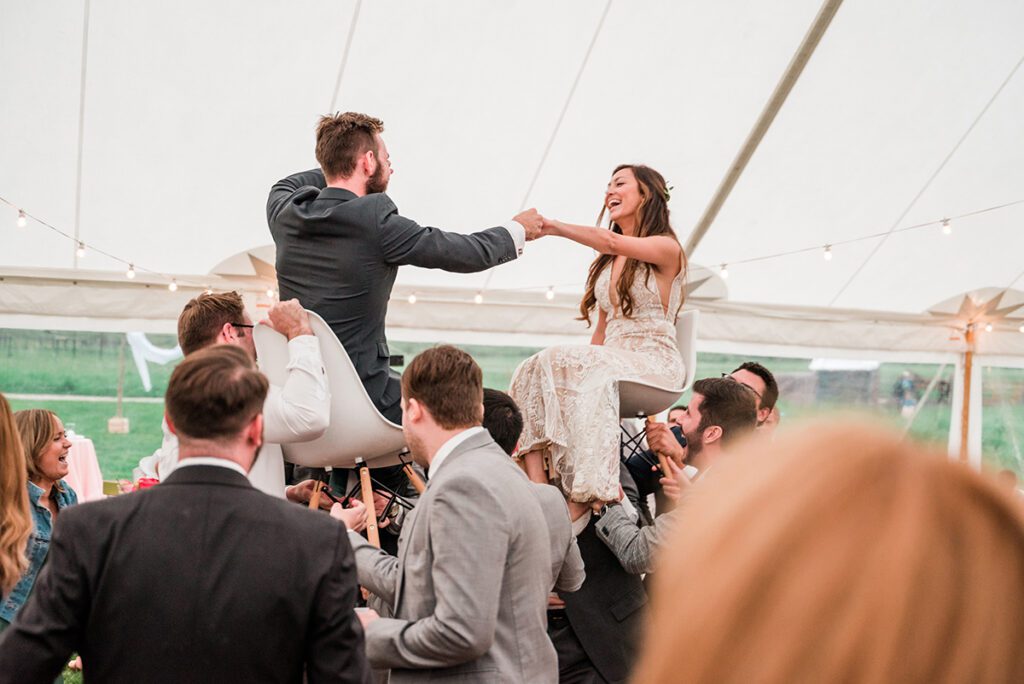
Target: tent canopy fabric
(154, 131)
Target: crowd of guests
(830, 553)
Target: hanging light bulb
(22, 218)
(173, 287)
(988, 327)
(724, 271)
(208, 291)
(947, 229)
(828, 253)
(478, 298)
(1021, 328)
(412, 298)
(130, 273)
(271, 292)
(80, 251)
(550, 294)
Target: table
(84, 474)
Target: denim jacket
(38, 544)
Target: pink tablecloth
(84, 470)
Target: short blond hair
(841, 554)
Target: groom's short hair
(342, 138)
(449, 383)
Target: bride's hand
(550, 226)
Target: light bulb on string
(208, 291)
(947, 229)
(478, 298)
(130, 273)
(22, 218)
(412, 298)
(828, 253)
(724, 271)
(1021, 328)
(270, 292)
(173, 286)
(988, 327)
(550, 294)
(80, 251)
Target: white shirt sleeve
(300, 410)
(518, 233)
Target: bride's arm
(659, 250)
(602, 321)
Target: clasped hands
(536, 226)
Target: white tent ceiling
(906, 113)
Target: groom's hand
(531, 221)
(289, 319)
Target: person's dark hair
(771, 388)
(449, 383)
(214, 393)
(677, 407)
(652, 219)
(203, 317)
(342, 138)
(727, 404)
(503, 419)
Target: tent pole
(965, 409)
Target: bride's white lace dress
(569, 394)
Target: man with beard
(721, 411)
(340, 241)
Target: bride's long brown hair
(651, 219)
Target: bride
(569, 394)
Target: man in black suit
(202, 578)
(340, 241)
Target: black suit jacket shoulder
(202, 578)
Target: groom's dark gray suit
(338, 254)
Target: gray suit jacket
(470, 584)
(635, 547)
(567, 572)
(338, 254)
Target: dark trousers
(574, 666)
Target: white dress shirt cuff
(518, 233)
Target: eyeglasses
(243, 325)
(756, 393)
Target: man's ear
(254, 433)
(762, 415)
(170, 425)
(227, 334)
(712, 434)
(369, 162)
(413, 411)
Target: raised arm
(659, 250)
(286, 187)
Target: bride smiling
(569, 394)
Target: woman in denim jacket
(46, 455)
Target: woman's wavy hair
(36, 429)
(651, 219)
(15, 516)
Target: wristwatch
(608, 505)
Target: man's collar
(448, 447)
(337, 194)
(212, 461)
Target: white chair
(357, 429)
(644, 399)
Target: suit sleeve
(334, 644)
(405, 242)
(283, 189)
(635, 547)
(470, 548)
(50, 625)
(378, 571)
(572, 573)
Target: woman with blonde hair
(45, 446)
(15, 519)
(842, 555)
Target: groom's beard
(378, 182)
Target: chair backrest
(686, 340)
(357, 429)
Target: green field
(73, 365)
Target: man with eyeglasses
(297, 411)
(761, 381)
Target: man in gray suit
(470, 584)
(340, 241)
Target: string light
(828, 253)
(478, 298)
(80, 252)
(173, 287)
(988, 327)
(208, 291)
(947, 229)
(550, 294)
(270, 292)
(22, 219)
(412, 298)
(724, 271)
(130, 273)
(1021, 328)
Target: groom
(340, 241)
